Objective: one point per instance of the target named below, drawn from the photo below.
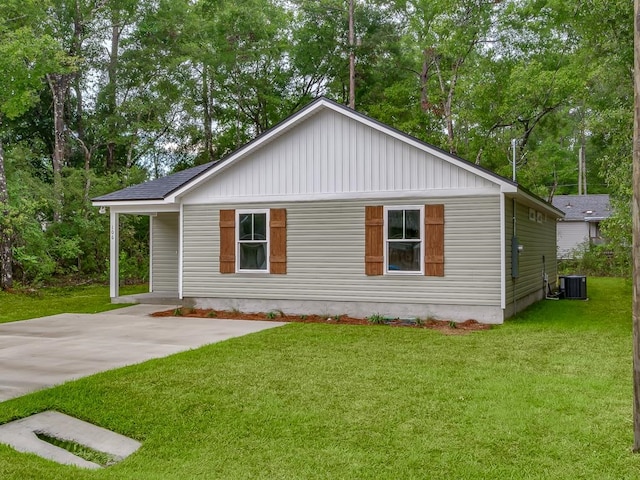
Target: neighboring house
(332, 212)
(581, 224)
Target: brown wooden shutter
(434, 235)
(278, 240)
(227, 241)
(374, 240)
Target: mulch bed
(446, 327)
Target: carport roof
(155, 189)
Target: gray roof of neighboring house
(155, 189)
(583, 208)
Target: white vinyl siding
(325, 256)
(164, 252)
(572, 237)
(331, 154)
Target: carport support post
(114, 254)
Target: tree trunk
(636, 231)
(78, 36)
(6, 253)
(424, 80)
(112, 73)
(206, 109)
(58, 83)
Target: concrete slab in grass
(22, 435)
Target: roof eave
(120, 203)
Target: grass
(82, 451)
(547, 395)
(54, 300)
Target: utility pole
(636, 229)
(582, 171)
(352, 59)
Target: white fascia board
(119, 203)
(312, 110)
(529, 200)
(320, 197)
(142, 208)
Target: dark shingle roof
(583, 208)
(155, 189)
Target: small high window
(404, 239)
(253, 241)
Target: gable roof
(583, 208)
(169, 190)
(157, 189)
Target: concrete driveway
(46, 351)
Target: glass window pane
(403, 256)
(259, 226)
(394, 224)
(412, 224)
(253, 256)
(245, 226)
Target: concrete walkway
(43, 352)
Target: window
(404, 245)
(253, 240)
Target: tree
(26, 54)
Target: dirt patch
(446, 327)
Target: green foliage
(77, 245)
(608, 260)
(271, 315)
(376, 319)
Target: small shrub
(452, 324)
(419, 322)
(212, 314)
(177, 312)
(271, 315)
(303, 317)
(606, 260)
(376, 319)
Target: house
(581, 224)
(332, 212)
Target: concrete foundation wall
(456, 313)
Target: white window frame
(387, 209)
(268, 240)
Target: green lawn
(545, 396)
(54, 300)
